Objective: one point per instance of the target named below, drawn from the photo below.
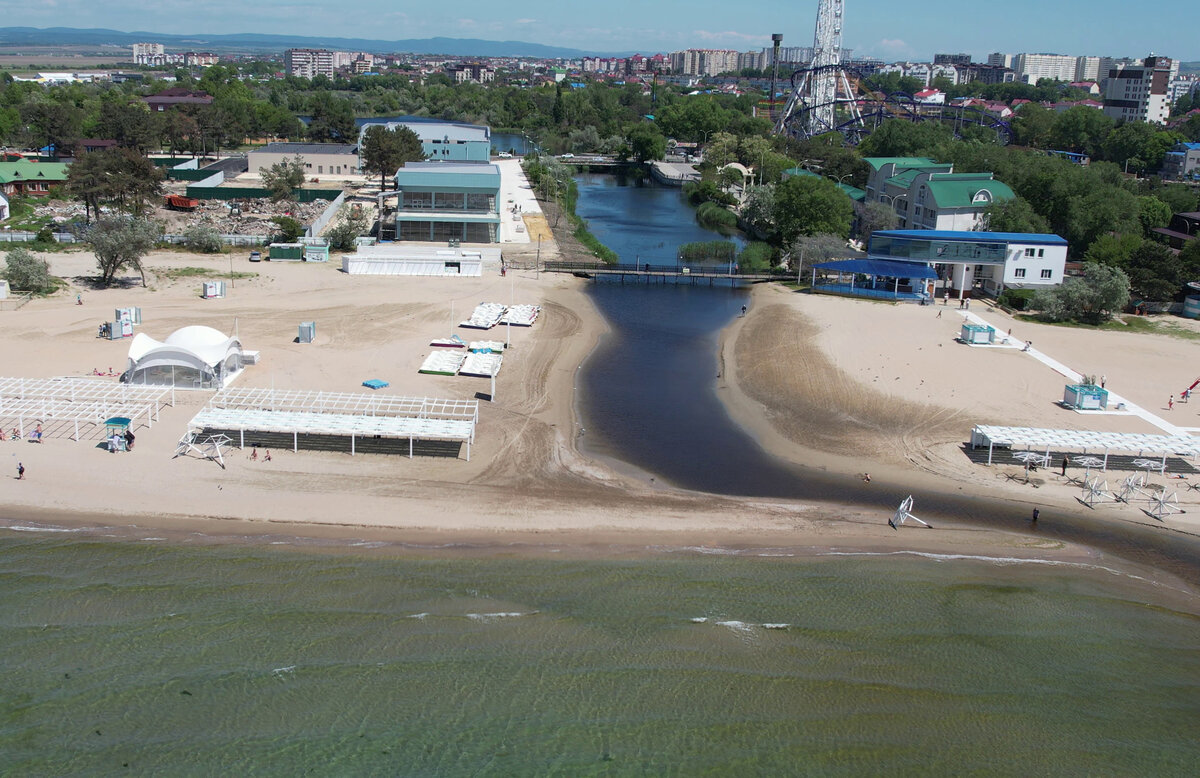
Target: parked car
(504, 155)
(256, 256)
(566, 156)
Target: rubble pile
(254, 218)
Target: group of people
(118, 442)
(35, 435)
(266, 456)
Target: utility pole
(776, 39)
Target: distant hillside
(1189, 67)
(254, 42)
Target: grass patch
(1141, 324)
(216, 274)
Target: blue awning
(879, 267)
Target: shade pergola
(1083, 441)
(355, 415)
(88, 401)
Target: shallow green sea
(143, 657)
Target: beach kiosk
(212, 289)
(315, 249)
(308, 332)
(1085, 397)
(978, 335)
(285, 252)
(115, 430)
(133, 315)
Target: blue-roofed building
(1182, 161)
(970, 261)
(444, 201)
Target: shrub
(708, 251)
(289, 229)
(1018, 299)
(203, 239)
(756, 256)
(27, 272)
(352, 223)
(717, 217)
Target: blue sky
(886, 29)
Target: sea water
(189, 658)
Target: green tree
(332, 119)
(1113, 250)
(808, 250)
(290, 230)
(1152, 213)
(1155, 273)
(119, 242)
(119, 176)
(385, 151)
(873, 216)
(284, 177)
(1080, 129)
(805, 205)
(129, 123)
(204, 239)
(27, 272)
(1015, 215)
(1138, 147)
(647, 143)
(721, 149)
(1093, 298)
(352, 223)
(901, 138)
(758, 209)
(1033, 126)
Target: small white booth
(405, 259)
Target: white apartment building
(1031, 68)
(148, 53)
(999, 60)
(308, 63)
(1087, 69)
(704, 62)
(1139, 93)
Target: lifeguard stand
(1085, 397)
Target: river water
(127, 651)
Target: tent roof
(204, 343)
(879, 267)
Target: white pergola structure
(352, 415)
(1083, 440)
(90, 401)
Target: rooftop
(309, 148)
(974, 237)
(24, 170)
(878, 162)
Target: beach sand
(844, 385)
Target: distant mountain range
(254, 42)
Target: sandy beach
(838, 384)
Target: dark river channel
(648, 393)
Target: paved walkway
(1114, 399)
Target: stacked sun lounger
(486, 316)
(442, 362)
(493, 346)
(451, 342)
(482, 364)
(521, 315)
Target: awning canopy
(879, 267)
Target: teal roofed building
(929, 195)
(445, 201)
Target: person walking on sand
(20, 472)
(1170, 402)
(1036, 513)
(1103, 380)
(939, 315)
(1066, 461)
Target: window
(1047, 273)
(1041, 253)
(1019, 272)
(1029, 252)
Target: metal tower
(827, 56)
(815, 97)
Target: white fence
(15, 236)
(326, 216)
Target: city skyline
(873, 27)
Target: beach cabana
(194, 357)
(977, 334)
(1085, 397)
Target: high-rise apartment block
(308, 63)
(952, 59)
(704, 62)
(1140, 93)
(148, 53)
(1031, 68)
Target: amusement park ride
(830, 97)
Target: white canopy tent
(194, 357)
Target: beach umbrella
(374, 383)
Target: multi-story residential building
(751, 59)
(199, 59)
(987, 74)
(952, 59)
(796, 55)
(1031, 68)
(1182, 85)
(1138, 93)
(308, 63)
(1182, 161)
(148, 53)
(476, 72)
(1087, 68)
(999, 60)
(929, 195)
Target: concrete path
(1114, 399)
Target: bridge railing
(645, 267)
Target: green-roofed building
(34, 178)
(929, 195)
